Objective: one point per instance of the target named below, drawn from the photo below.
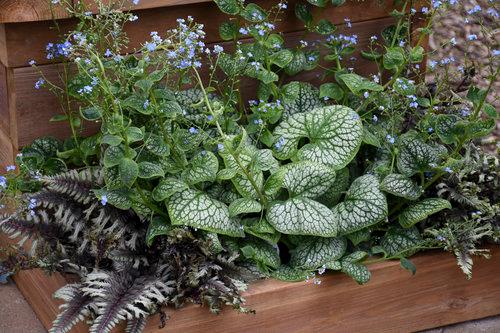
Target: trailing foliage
(189, 190)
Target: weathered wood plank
(29, 10)
(27, 41)
(6, 150)
(393, 301)
(38, 106)
(4, 104)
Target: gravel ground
(459, 23)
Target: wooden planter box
(392, 301)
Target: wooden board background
(393, 301)
(25, 41)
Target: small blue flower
(282, 5)
(243, 31)
(472, 37)
(366, 94)
(218, 49)
(390, 139)
(193, 130)
(440, 238)
(210, 117)
(374, 118)
(279, 144)
(430, 130)
(32, 204)
(10, 168)
(39, 83)
(32, 62)
(448, 169)
(146, 104)
(220, 147)
(3, 182)
(135, 2)
(104, 200)
(150, 46)
(108, 53)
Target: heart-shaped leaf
(314, 252)
(421, 210)
(416, 156)
(334, 133)
(198, 210)
(364, 205)
(202, 168)
(401, 186)
(302, 216)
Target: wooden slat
(393, 301)
(4, 104)
(26, 41)
(12, 11)
(29, 10)
(6, 150)
(38, 106)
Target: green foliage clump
(188, 183)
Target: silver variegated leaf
(302, 216)
(421, 210)
(300, 97)
(243, 206)
(416, 156)
(401, 242)
(202, 168)
(290, 274)
(364, 205)
(314, 252)
(308, 179)
(332, 196)
(261, 252)
(259, 227)
(168, 187)
(401, 186)
(351, 266)
(334, 132)
(198, 210)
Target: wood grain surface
(393, 301)
(27, 41)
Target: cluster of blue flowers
(59, 50)
(189, 44)
(3, 182)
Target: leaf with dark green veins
(394, 58)
(358, 84)
(308, 179)
(331, 90)
(198, 210)
(421, 210)
(297, 64)
(314, 252)
(168, 187)
(302, 216)
(287, 273)
(401, 186)
(401, 242)
(244, 206)
(228, 6)
(113, 156)
(261, 252)
(157, 227)
(134, 134)
(262, 229)
(281, 58)
(91, 113)
(335, 134)
(332, 196)
(228, 30)
(150, 170)
(351, 266)
(129, 171)
(416, 156)
(300, 97)
(202, 168)
(364, 205)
